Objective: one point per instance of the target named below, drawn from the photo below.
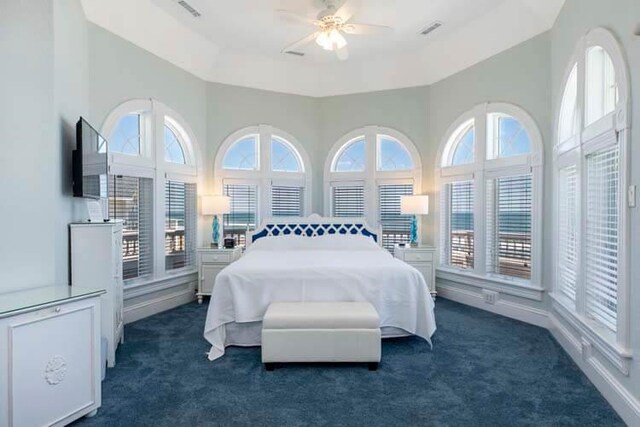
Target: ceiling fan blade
(342, 54)
(300, 43)
(348, 9)
(367, 29)
(294, 17)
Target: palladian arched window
(366, 174)
(266, 173)
(590, 165)
(490, 195)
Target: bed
(315, 259)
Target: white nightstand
(423, 258)
(210, 262)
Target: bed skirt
(249, 334)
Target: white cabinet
(49, 356)
(96, 261)
(423, 259)
(210, 262)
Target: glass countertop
(19, 300)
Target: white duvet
(327, 268)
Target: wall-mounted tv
(90, 162)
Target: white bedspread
(267, 274)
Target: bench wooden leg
(269, 366)
(373, 366)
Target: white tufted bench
(321, 332)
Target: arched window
(144, 189)
(590, 165)
(490, 196)
(366, 173)
(266, 172)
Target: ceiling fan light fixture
(337, 40)
(324, 41)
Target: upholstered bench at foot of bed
(321, 332)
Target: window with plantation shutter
(567, 232)
(347, 201)
(180, 224)
(131, 200)
(602, 216)
(460, 203)
(287, 200)
(396, 228)
(244, 211)
(508, 225)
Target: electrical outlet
(490, 297)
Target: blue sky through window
(513, 139)
(125, 138)
(392, 156)
(283, 159)
(242, 155)
(352, 159)
(172, 149)
(464, 152)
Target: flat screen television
(90, 162)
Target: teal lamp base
(215, 232)
(413, 239)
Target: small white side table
(210, 262)
(423, 259)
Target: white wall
(621, 17)
(42, 92)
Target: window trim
(589, 139)
(263, 177)
(371, 176)
(481, 170)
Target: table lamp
(215, 205)
(414, 205)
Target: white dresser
(49, 355)
(96, 261)
(423, 259)
(210, 262)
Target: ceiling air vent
(294, 53)
(189, 8)
(431, 28)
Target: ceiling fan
(332, 24)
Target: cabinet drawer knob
(57, 309)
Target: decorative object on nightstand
(210, 262)
(423, 259)
(414, 205)
(215, 205)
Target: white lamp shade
(215, 205)
(414, 205)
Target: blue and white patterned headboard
(312, 226)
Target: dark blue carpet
(484, 370)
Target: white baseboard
(510, 309)
(625, 404)
(158, 304)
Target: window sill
(139, 287)
(604, 341)
(514, 287)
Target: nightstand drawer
(418, 256)
(216, 258)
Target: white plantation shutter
(287, 200)
(568, 224)
(460, 205)
(396, 228)
(602, 219)
(180, 224)
(244, 211)
(347, 201)
(131, 200)
(508, 222)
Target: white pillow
(338, 242)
